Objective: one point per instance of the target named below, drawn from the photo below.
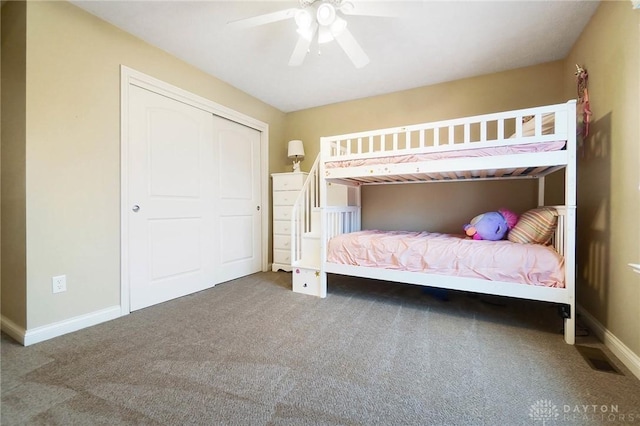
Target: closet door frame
(129, 77)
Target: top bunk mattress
(451, 255)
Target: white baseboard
(46, 332)
(629, 358)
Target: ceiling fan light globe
(326, 14)
(303, 19)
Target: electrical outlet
(59, 283)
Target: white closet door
(194, 211)
(237, 149)
(172, 193)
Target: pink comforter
(452, 255)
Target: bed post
(570, 224)
(541, 183)
(324, 147)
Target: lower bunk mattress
(452, 255)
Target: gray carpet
(252, 352)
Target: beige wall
(73, 153)
(437, 207)
(60, 137)
(13, 224)
(609, 170)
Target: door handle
(135, 208)
(258, 208)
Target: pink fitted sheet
(452, 255)
(459, 153)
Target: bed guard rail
(559, 238)
(550, 123)
(341, 220)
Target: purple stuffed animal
(492, 225)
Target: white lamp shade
(296, 149)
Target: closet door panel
(172, 196)
(240, 216)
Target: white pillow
(529, 128)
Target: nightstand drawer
(282, 256)
(282, 242)
(288, 181)
(282, 227)
(282, 212)
(284, 198)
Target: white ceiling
(437, 41)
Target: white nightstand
(286, 187)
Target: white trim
(46, 332)
(124, 191)
(629, 358)
(129, 77)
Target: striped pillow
(535, 226)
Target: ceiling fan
(326, 20)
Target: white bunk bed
(490, 146)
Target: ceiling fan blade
(302, 47)
(267, 18)
(351, 47)
(383, 9)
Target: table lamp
(296, 153)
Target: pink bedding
(465, 153)
(452, 255)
